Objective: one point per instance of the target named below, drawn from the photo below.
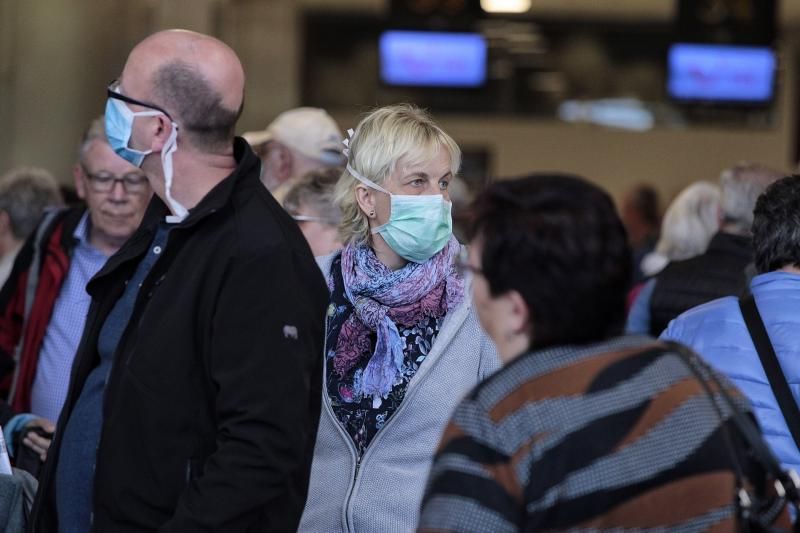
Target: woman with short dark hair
(583, 429)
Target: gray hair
(25, 192)
(95, 132)
(195, 105)
(741, 187)
(315, 192)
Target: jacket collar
(219, 196)
(157, 210)
(732, 244)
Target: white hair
(688, 225)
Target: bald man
(195, 392)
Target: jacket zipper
(412, 387)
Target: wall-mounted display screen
(721, 73)
(432, 59)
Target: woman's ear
(520, 316)
(366, 200)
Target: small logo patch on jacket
(290, 332)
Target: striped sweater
(608, 436)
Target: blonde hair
(380, 140)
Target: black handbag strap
(777, 380)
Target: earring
(372, 214)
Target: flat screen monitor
(432, 59)
(723, 74)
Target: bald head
(197, 79)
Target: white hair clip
(346, 143)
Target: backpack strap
(772, 368)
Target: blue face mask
(419, 225)
(119, 125)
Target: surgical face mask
(119, 126)
(419, 225)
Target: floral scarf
(383, 298)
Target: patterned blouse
(360, 418)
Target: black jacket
(718, 272)
(212, 405)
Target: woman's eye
(444, 184)
(418, 182)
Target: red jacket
(55, 250)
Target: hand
(35, 441)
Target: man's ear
(80, 180)
(161, 129)
(283, 162)
(5, 223)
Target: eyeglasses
(113, 92)
(102, 182)
(463, 265)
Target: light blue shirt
(66, 327)
(639, 314)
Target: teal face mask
(419, 225)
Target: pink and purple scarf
(383, 298)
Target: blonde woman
(690, 222)
(403, 343)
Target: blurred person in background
(403, 342)
(642, 218)
(582, 429)
(689, 223)
(43, 304)
(25, 192)
(296, 142)
(461, 198)
(722, 270)
(718, 332)
(310, 203)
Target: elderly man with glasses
(43, 304)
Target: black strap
(743, 423)
(777, 380)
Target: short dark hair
(558, 241)
(186, 94)
(776, 225)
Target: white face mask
(180, 212)
(419, 226)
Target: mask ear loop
(372, 185)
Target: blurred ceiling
(654, 10)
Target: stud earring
(372, 214)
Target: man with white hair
(298, 141)
(43, 304)
(721, 270)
